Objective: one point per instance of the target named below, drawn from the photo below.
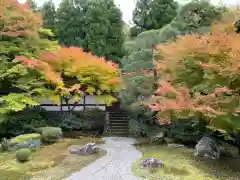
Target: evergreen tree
(196, 16)
(70, 26)
(49, 14)
(33, 5)
(153, 14)
(96, 26)
(104, 28)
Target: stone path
(116, 165)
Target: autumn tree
(199, 77)
(71, 73)
(19, 35)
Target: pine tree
(48, 11)
(104, 29)
(153, 14)
(70, 26)
(96, 26)
(196, 16)
(33, 5)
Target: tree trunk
(84, 103)
(238, 142)
(61, 105)
(68, 105)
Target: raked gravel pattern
(116, 165)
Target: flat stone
(176, 145)
(88, 149)
(151, 163)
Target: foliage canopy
(199, 76)
(70, 73)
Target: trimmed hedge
(23, 155)
(50, 134)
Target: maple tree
(200, 77)
(18, 19)
(20, 34)
(71, 73)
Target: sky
(127, 6)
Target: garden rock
(151, 163)
(88, 149)
(159, 137)
(176, 145)
(208, 148)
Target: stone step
(118, 114)
(118, 129)
(118, 122)
(118, 119)
(118, 126)
(117, 132)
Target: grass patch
(52, 160)
(181, 164)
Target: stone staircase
(118, 124)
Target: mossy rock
(32, 141)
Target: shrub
(90, 119)
(50, 134)
(23, 122)
(23, 155)
(186, 131)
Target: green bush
(22, 122)
(93, 119)
(50, 134)
(90, 119)
(23, 155)
(187, 131)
